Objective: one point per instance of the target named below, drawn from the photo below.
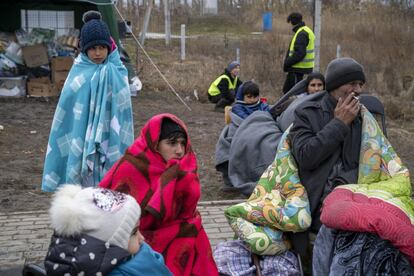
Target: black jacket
(299, 51)
(82, 254)
(326, 150)
(223, 85)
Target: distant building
(210, 7)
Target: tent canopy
(10, 12)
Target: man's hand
(347, 109)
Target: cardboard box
(35, 55)
(41, 87)
(61, 63)
(59, 78)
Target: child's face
(135, 241)
(250, 99)
(315, 85)
(97, 54)
(171, 148)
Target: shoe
(227, 188)
(219, 109)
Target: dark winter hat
(232, 65)
(341, 71)
(170, 128)
(94, 31)
(294, 18)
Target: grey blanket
(249, 149)
(224, 141)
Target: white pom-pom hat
(101, 213)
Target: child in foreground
(96, 233)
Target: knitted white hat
(101, 213)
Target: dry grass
(379, 37)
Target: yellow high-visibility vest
(309, 59)
(214, 91)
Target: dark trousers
(222, 100)
(291, 79)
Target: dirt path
(23, 142)
(27, 121)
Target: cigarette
(356, 98)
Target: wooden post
(146, 21)
(317, 30)
(167, 20)
(182, 42)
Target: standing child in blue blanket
(92, 125)
(96, 233)
(248, 100)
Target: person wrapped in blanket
(160, 171)
(248, 100)
(313, 83)
(92, 125)
(334, 142)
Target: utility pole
(146, 21)
(167, 20)
(182, 42)
(317, 24)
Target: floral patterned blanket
(279, 203)
(381, 202)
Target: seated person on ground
(222, 90)
(314, 83)
(248, 100)
(95, 232)
(160, 171)
(336, 141)
(326, 133)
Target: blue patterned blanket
(92, 125)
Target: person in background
(248, 100)
(222, 90)
(160, 171)
(300, 56)
(95, 233)
(315, 82)
(93, 124)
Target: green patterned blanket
(278, 204)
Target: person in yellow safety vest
(222, 91)
(300, 57)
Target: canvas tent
(59, 15)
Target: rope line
(152, 62)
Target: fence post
(182, 42)
(317, 28)
(338, 51)
(167, 23)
